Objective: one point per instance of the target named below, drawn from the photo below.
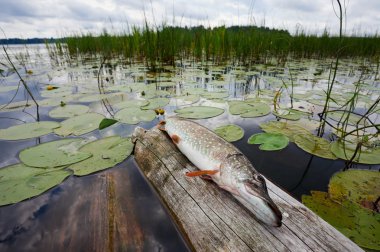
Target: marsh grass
(243, 44)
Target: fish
(221, 162)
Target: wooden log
(210, 219)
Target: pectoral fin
(175, 138)
(161, 125)
(200, 173)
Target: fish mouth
(261, 204)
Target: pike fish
(221, 162)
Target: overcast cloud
(48, 18)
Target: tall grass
(244, 44)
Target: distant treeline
(241, 43)
(18, 41)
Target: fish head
(254, 195)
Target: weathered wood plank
(212, 220)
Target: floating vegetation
(97, 97)
(155, 103)
(314, 145)
(248, 109)
(269, 141)
(230, 132)
(135, 115)
(4, 89)
(19, 182)
(360, 186)
(215, 95)
(132, 103)
(287, 129)
(68, 111)
(28, 130)
(287, 114)
(199, 112)
(54, 154)
(106, 153)
(106, 122)
(188, 99)
(79, 125)
(347, 151)
(345, 206)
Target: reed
(243, 44)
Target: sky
(59, 18)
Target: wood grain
(210, 219)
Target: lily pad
(4, 89)
(68, 111)
(359, 224)
(346, 151)
(215, 95)
(353, 119)
(188, 98)
(355, 185)
(269, 141)
(106, 153)
(314, 145)
(199, 112)
(15, 106)
(249, 109)
(79, 125)
(156, 103)
(19, 182)
(97, 97)
(287, 114)
(230, 132)
(54, 154)
(288, 129)
(135, 115)
(28, 130)
(132, 103)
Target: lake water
(65, 217)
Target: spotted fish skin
(235, 173)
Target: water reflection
(74, 216)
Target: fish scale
(223, 163)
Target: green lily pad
(353, 119)
(135, 115)
(359, 224)
(4, 89)
(230, 132)
(287, 114)
(288, 129)
(19, 182)
(54, 154)
(346, 151)
(106, 153)
(59, 92)
(215, 95)
(155, 103)
(314, 145)
(249, 109)
(199, 112)
(68, 111)
(28, 130)
(97, 97)
(355, 185)
(132, 103)
(106, 122)
(16, 106)
(79, 125)
(269, 141)
(188, 98)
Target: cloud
(46, 18)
